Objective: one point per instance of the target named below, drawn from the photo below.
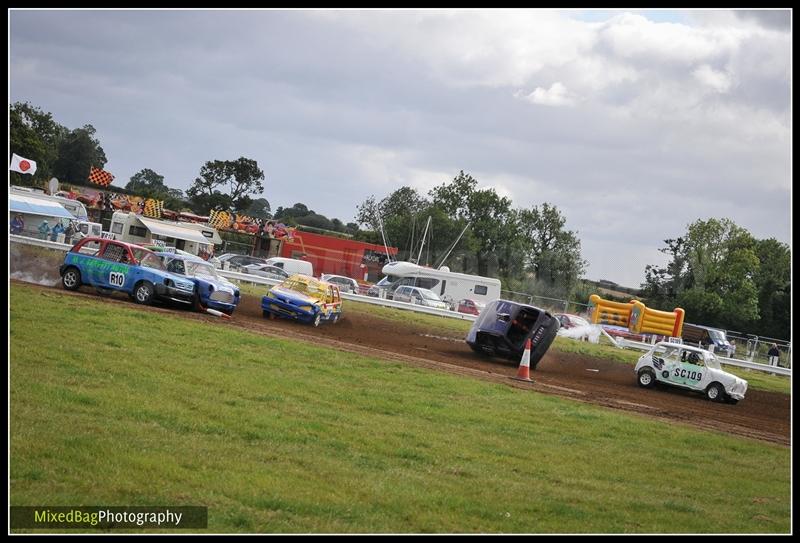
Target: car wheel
(715, 393)
(646, 378)
(143, 293)
(318, 319)
(197, 305)
(71, 280)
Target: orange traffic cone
(524, 372)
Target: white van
(292, 265)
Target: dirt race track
(761, 415)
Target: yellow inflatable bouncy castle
(635, 316)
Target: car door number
(116, 279)
(687, 374)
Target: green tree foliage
(550, 252)
(259, 209)
(238, 178)
(148, 183)
(526, 247)
(721, 276)
(34, 134)
(78, 151)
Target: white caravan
(450, 286)
(144, 230)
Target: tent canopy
(34, 206)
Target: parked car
(419, 296)
(381, 286)
(111, 265)
(569, 320)
(265, 270)
(292, 265)
(470, 307)
(235, 262)
(503, 328)
(345, 284)
(211, 289)
(303, 298)
(689, 367)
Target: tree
(550, 252)
(259, 209)
(774, 285)
(78, 151)
(712, 275)
(147, 183)
(488, 214)
(242, 177)
(34, 134)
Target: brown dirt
(761, 415)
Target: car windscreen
(200, 269)
(717, 336)
(428, 295)
(148, 260)
(313, 289)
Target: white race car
(689, 367)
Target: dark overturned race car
(503, 328)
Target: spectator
(732, 350)
(57, 229)
(44, 230)
(774, 355)
(69, 233)
(17, 225)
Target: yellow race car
(303, 298)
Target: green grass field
(112, 404)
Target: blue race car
(212, 290)
(111, 265)
(504, 326)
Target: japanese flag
(22, 165)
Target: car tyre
(715, 392)
(646, 378)
(197, 305)
(144, 293)
(71, 280)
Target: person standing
(774, 355)
(69, 232)
(57, 229)
(44, 230)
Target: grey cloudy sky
(633, 123)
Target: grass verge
(116, 405)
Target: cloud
(556, 95)
(654, 120)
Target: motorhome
(76, 208)
(145, 230)
(450, 286)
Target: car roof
(177, 256)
